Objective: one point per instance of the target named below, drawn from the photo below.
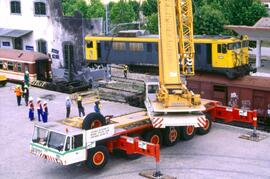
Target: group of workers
(22, 93)
(81, 112)
(42, 109)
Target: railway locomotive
(215, 54)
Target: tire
(97, 157)
(170, 136)
(153, 136)
(207, 128)
(187, 132)
(93, 120)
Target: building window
(19, 67)
(15, 7)
(40, 8)
(42, 46)
(18, 44)
(1, 64)
(10, 66)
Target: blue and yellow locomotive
(215, 54)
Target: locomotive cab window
(222, 48)
(1, 64)
(89, 44)
(245, 43)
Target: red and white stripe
(47, 157)
(157, 122)
(201, 121)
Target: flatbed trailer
(67, 141)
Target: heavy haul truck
(173, 111)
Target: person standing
(26, 78)
(45, 112)
(31, 109)
(39, 109)
(18, 92)
(80, 107)
(26, 94)
(125, 71)
(68, 106)
(97, 107)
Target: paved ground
(220, 154)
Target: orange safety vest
(18, 92)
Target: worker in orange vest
(18, 91)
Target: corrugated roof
(21, 55)
(13, 32)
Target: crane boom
(175, 20)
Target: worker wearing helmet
(26, 94)
(18, 92)
(68, 106)
(97, 107)
(31, 109)
(80, 106)
(39, 109)
(45, 112)
(26, 78)
(125, 71)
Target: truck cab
(55, 142)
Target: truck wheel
(204, 130)
(97, 157)
(170, 136)
(153, 136)
(187, 132)
(93, 120)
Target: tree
(122, 12)
(209, 21)
(70, 6)
(243, 12)
(149, 7)
(152, 23)
(136, 8)
(96, 9)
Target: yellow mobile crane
(175, 20)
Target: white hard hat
(38, 99)
(30, 98)
(45, 102)
(67, 98)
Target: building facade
(39, 25)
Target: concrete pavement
(219, 154)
